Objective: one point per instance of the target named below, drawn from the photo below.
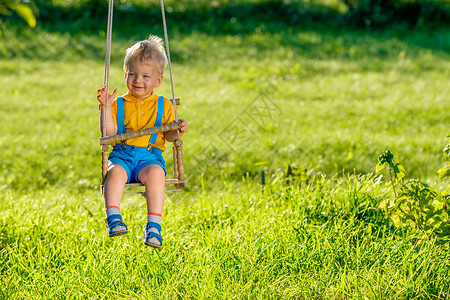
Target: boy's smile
(142, 79)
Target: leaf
(261, 163)
(443, 172)
(397, 221)
(398, 202)
(389, 156)
(380, 166)
(430, 213)
(393, 160)
(447, 151)
(25, 12)
(401, 171)
(3, 10)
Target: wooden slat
(138, 184)
(104, 161)
(168, 181)
(108, 140)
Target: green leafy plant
(415, 203)
(19, 7)
(395, 168)
(444, 173)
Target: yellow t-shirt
(141, 114)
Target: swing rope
(166, 38)
(107, 60)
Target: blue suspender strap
(160, 113)
(120, 115)
(158, 121)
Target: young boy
(139, 159)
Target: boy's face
(142, 79)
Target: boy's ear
(159, 81)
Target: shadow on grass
(239, 17)
(315, 31)
(203, 17)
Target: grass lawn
(327, 100)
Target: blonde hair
(150, 52)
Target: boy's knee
(152, 174)
(117, 171)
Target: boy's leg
(114, 185)
(153, 177)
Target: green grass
(338, 99)
(341, 99)
(324, 240)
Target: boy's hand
(101, 96)
(183, 126)
(173, 135)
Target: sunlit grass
(326, 239)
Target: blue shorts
(133, 159)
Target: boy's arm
(111, 128)
(173, 135)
